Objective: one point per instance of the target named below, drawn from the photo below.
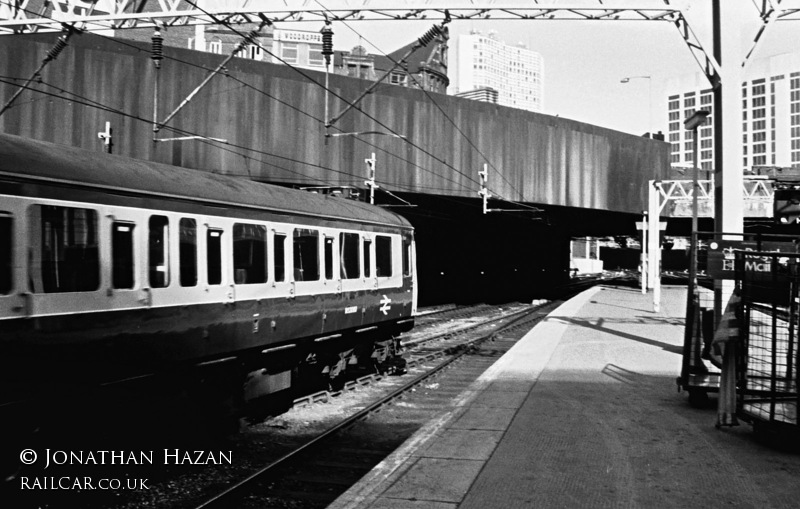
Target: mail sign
(721, 257)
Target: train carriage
(114, 268)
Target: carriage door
(370, 280)
(279, 247)
(350, 274)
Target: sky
(585, 60)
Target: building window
(289, 53)
(315, 57)
(398, 79)
(215, 46)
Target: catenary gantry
(26, 16)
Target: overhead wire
(305, 75)
(298, 70)
(90, 102)
(438, 106)
(312, 80)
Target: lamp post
(691, 124)
(627, 79)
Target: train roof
(69, 165)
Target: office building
(770, 116)
(515, 72)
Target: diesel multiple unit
(115, 269)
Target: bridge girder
(675, 197)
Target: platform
(584, 412)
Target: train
(115, 269)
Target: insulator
(60, 44)
(158, 48)
(252, 37)
(327, 40)
(327, 43)
(430, 35)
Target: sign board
(721, 257)
(642, 225)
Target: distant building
(483, 94)
(515, 72)
(426, 67)
(298, 48)
(770, 116)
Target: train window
(406, 257)
(306, 255)
(122, 275)
(65, 257)
(187, 255)
(328, 257)
(158, 251)
(383, 256)
(280, 257)
(367, 259)
(214, 256)
(349, 262)
(249, 254)
(5, 253)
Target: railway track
(318, 471)
(467, 338)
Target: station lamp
(691, 124)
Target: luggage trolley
(767, 360)
(715, 255)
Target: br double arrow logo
(385, 307)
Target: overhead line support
(422, 41)
(249, 38)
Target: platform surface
(584, 412)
